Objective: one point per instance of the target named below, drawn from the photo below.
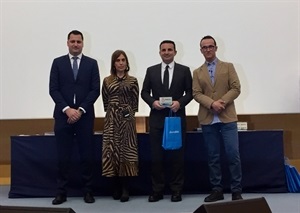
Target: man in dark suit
(74, 87)
(179, 88)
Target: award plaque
(165, 101)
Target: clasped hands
(73, 115)
(218, 106)
(174, 107)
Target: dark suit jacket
(63, 86)
(180, 90)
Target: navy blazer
(63, 86)
(180, 90)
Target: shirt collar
(79, 56)
(171, 65)
(213, 63)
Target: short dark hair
(75, 32)
(168, 42)
(208, 37)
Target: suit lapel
(218, 70)
(206, 74)
(175, 74)
(67, 67)
(160, 78)
(81, 66)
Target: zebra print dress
(119, 146)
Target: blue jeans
(214, 135)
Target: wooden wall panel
(290, 123)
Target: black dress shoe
(155, 196)
(214, 196)
(176, 197)
(89, 198)
(237, 196)
(59, 199)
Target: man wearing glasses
(215, 87)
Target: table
(33, 165)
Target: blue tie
(75, 66)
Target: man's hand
(156, 105)
(73, 115)
(175, 106)
(218, 106)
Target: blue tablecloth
(33, 165)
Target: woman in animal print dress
(120, 94)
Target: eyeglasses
(206, 48)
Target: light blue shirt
(211, 71)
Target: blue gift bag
(172, 138)
(292, 178)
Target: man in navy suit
(74, 95)
(178, 86)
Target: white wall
(261, 38)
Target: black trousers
(167, 165)
(66, 135)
